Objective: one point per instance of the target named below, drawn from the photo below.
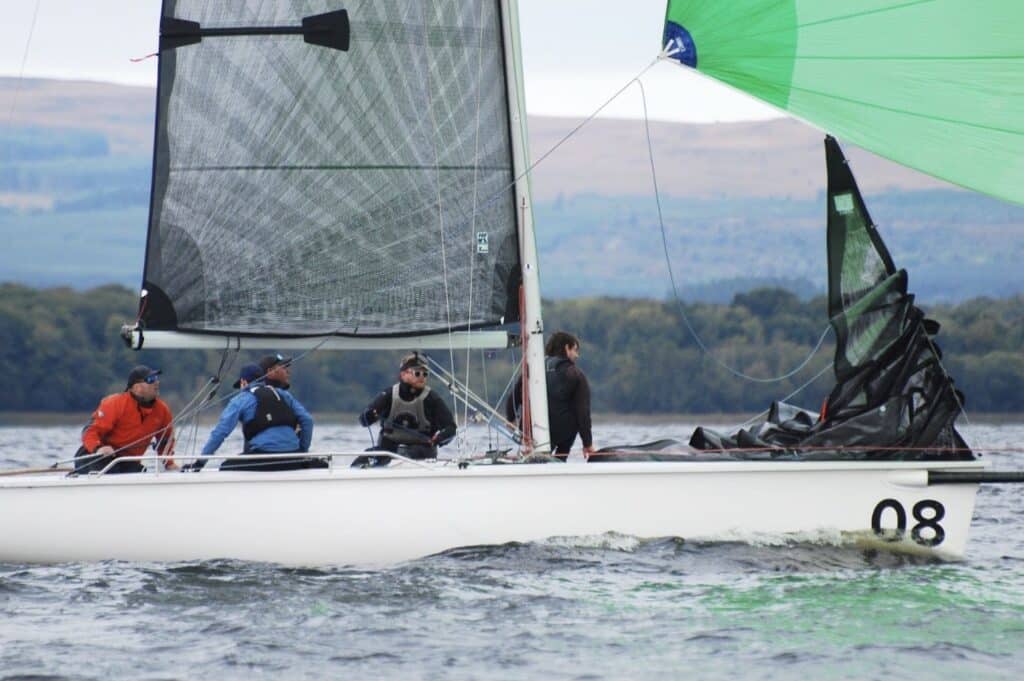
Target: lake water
(603, 608)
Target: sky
(576, 55)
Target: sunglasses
(419, 373)
(151, 379)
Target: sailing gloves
(367, 417)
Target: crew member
(273, 421)
(411, 414)
(124, 424)
(568, 396)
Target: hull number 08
(928, 513)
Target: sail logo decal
(843, 203)
(927, 513)
(482, 243)
(679, 45)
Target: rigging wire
(440, 214)
(572, 133)
(516, 379)
(466, 395)
(502, 191)
(24, 60)
(487, 397)
(675, 290)
(764, 414)
(472, 230)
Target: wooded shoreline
(61, 352)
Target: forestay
(936, 85)
(357, 184)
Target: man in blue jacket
(273, 421)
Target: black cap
(139, 374)
(413, 361)
(268, 362)
(249, 373)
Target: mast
(536, 430)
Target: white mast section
(532, 321)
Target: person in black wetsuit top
(568, 396)
(411, 414)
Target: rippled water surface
(607, 607)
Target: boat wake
(727, 555)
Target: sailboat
(356, 179)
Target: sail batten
(301, 191)
(937, 86)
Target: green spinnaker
(936, 85)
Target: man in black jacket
(568, 396)
(411, 414)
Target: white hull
(382, 516)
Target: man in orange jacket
(124, 425)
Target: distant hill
(123, 114)
(779, 158)
(741, 202)
(608, 157)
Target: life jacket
(410, 415)
(561, 407)
(271, 411)
(559, 386)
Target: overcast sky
(576, 54)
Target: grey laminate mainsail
(301, 189)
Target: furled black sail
(892, 398)
(320, 171)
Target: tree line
(60, 351)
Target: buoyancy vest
(559, 386)
(410, 415)
(271, 411)
(561, 408)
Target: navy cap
(249, 373)
(268, 362)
